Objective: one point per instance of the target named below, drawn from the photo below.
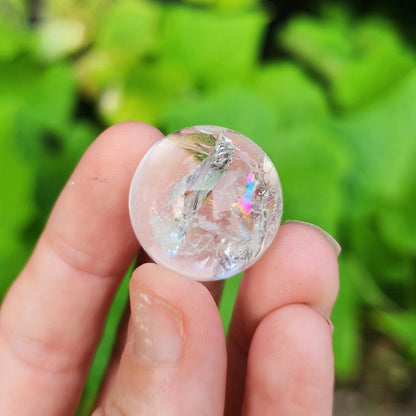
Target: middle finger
(299, 267)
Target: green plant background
(330, 95)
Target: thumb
(174, 360)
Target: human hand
(279, 351)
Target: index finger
(52, 318)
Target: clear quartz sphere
(206, 202)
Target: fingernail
(331, 325)
(157, 328)
(331, 240)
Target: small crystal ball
(206, 202)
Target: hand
(280, 359)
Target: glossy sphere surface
(206, 202)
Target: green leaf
(18, 80)
(13, 34)
(58, 37)
(290, 93)
(56, 164)
(400, 326)
(382, 138)
(398, 226)
(97, 70)
(323, 43)
(54, 111)
(212, 46)
(77, 139)
(360, 61)
(29, 88)
(17, 208)
(129, 27)
(393, 271)
(396, 218)
(235, 107)
(228, 298)
(312, 165)
(145, 93)
(224, 4)
(365, 285)
(346, 317)
(127, 31)
(382, 61)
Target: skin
(277, 359)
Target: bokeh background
(328, 90)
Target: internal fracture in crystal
(206, 201)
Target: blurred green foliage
(335, 109)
